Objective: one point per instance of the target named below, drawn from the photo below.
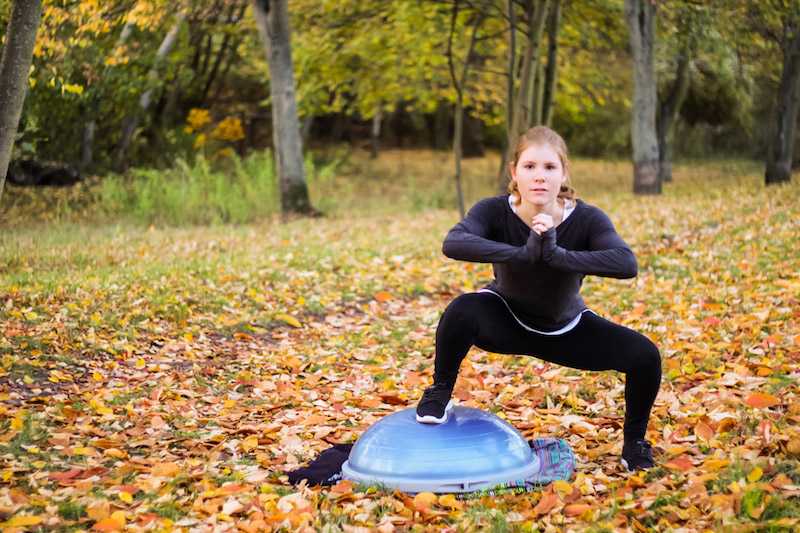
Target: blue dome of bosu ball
(474, 450)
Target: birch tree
(15, 63)
(272, 18)
(131, 122)
(641, 18)
(781, 143)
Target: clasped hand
(541, 242)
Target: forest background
(121, 87)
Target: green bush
(234, 191)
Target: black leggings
(483, 320)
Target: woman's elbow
(631, 266)
(449, 248)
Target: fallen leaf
(761, 400)
(546, 504)
(424, 500)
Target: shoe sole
(629, 469)
(430, 419)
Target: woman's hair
(543, 135)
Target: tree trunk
(779, 155)
(90, 126)
(272, 19)
(132, 121)
(472, 138)
(375, 133)
(87, 144)
(536, 18)
(502, 173)
(537, 94)
(641, 17)
(667, 113)
(552, 63)
(536, 14)
(15, 63)
(441, 126)
(460, 86)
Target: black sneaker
(637, 455)
(435, 404)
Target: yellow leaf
(97, 376)
(16, 423)
(715, 464)
(449, 501)
(140, 363)
(84, 450)
(250, 443)
(99, 511)
(22, 521)
(755, 475)
(165, 469)
(424, 500)
(562, 487)
(289, 319)
(116, 453)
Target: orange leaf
(576, 509)
(546, 504)
(391, 399)
(383, 296)
(343, 487)
(108, 524)
(761, 399)
(61, 477)
(704, 431)
(682, 463)
(165, 469)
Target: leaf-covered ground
(167, 378)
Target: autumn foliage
(161, 378)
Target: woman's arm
(608, 255)
(468, 240)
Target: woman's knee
(464, 305)
(464, 310)
(649, 355)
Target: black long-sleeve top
(540, 276)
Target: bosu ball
(474, 450)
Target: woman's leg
(598, 344)
(464, 321)
(481, 319)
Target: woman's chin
(539, 200)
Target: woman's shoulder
(492, 204)
(590, 213)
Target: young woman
(541, 242)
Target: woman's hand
(541, 223)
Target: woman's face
(539, 174)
